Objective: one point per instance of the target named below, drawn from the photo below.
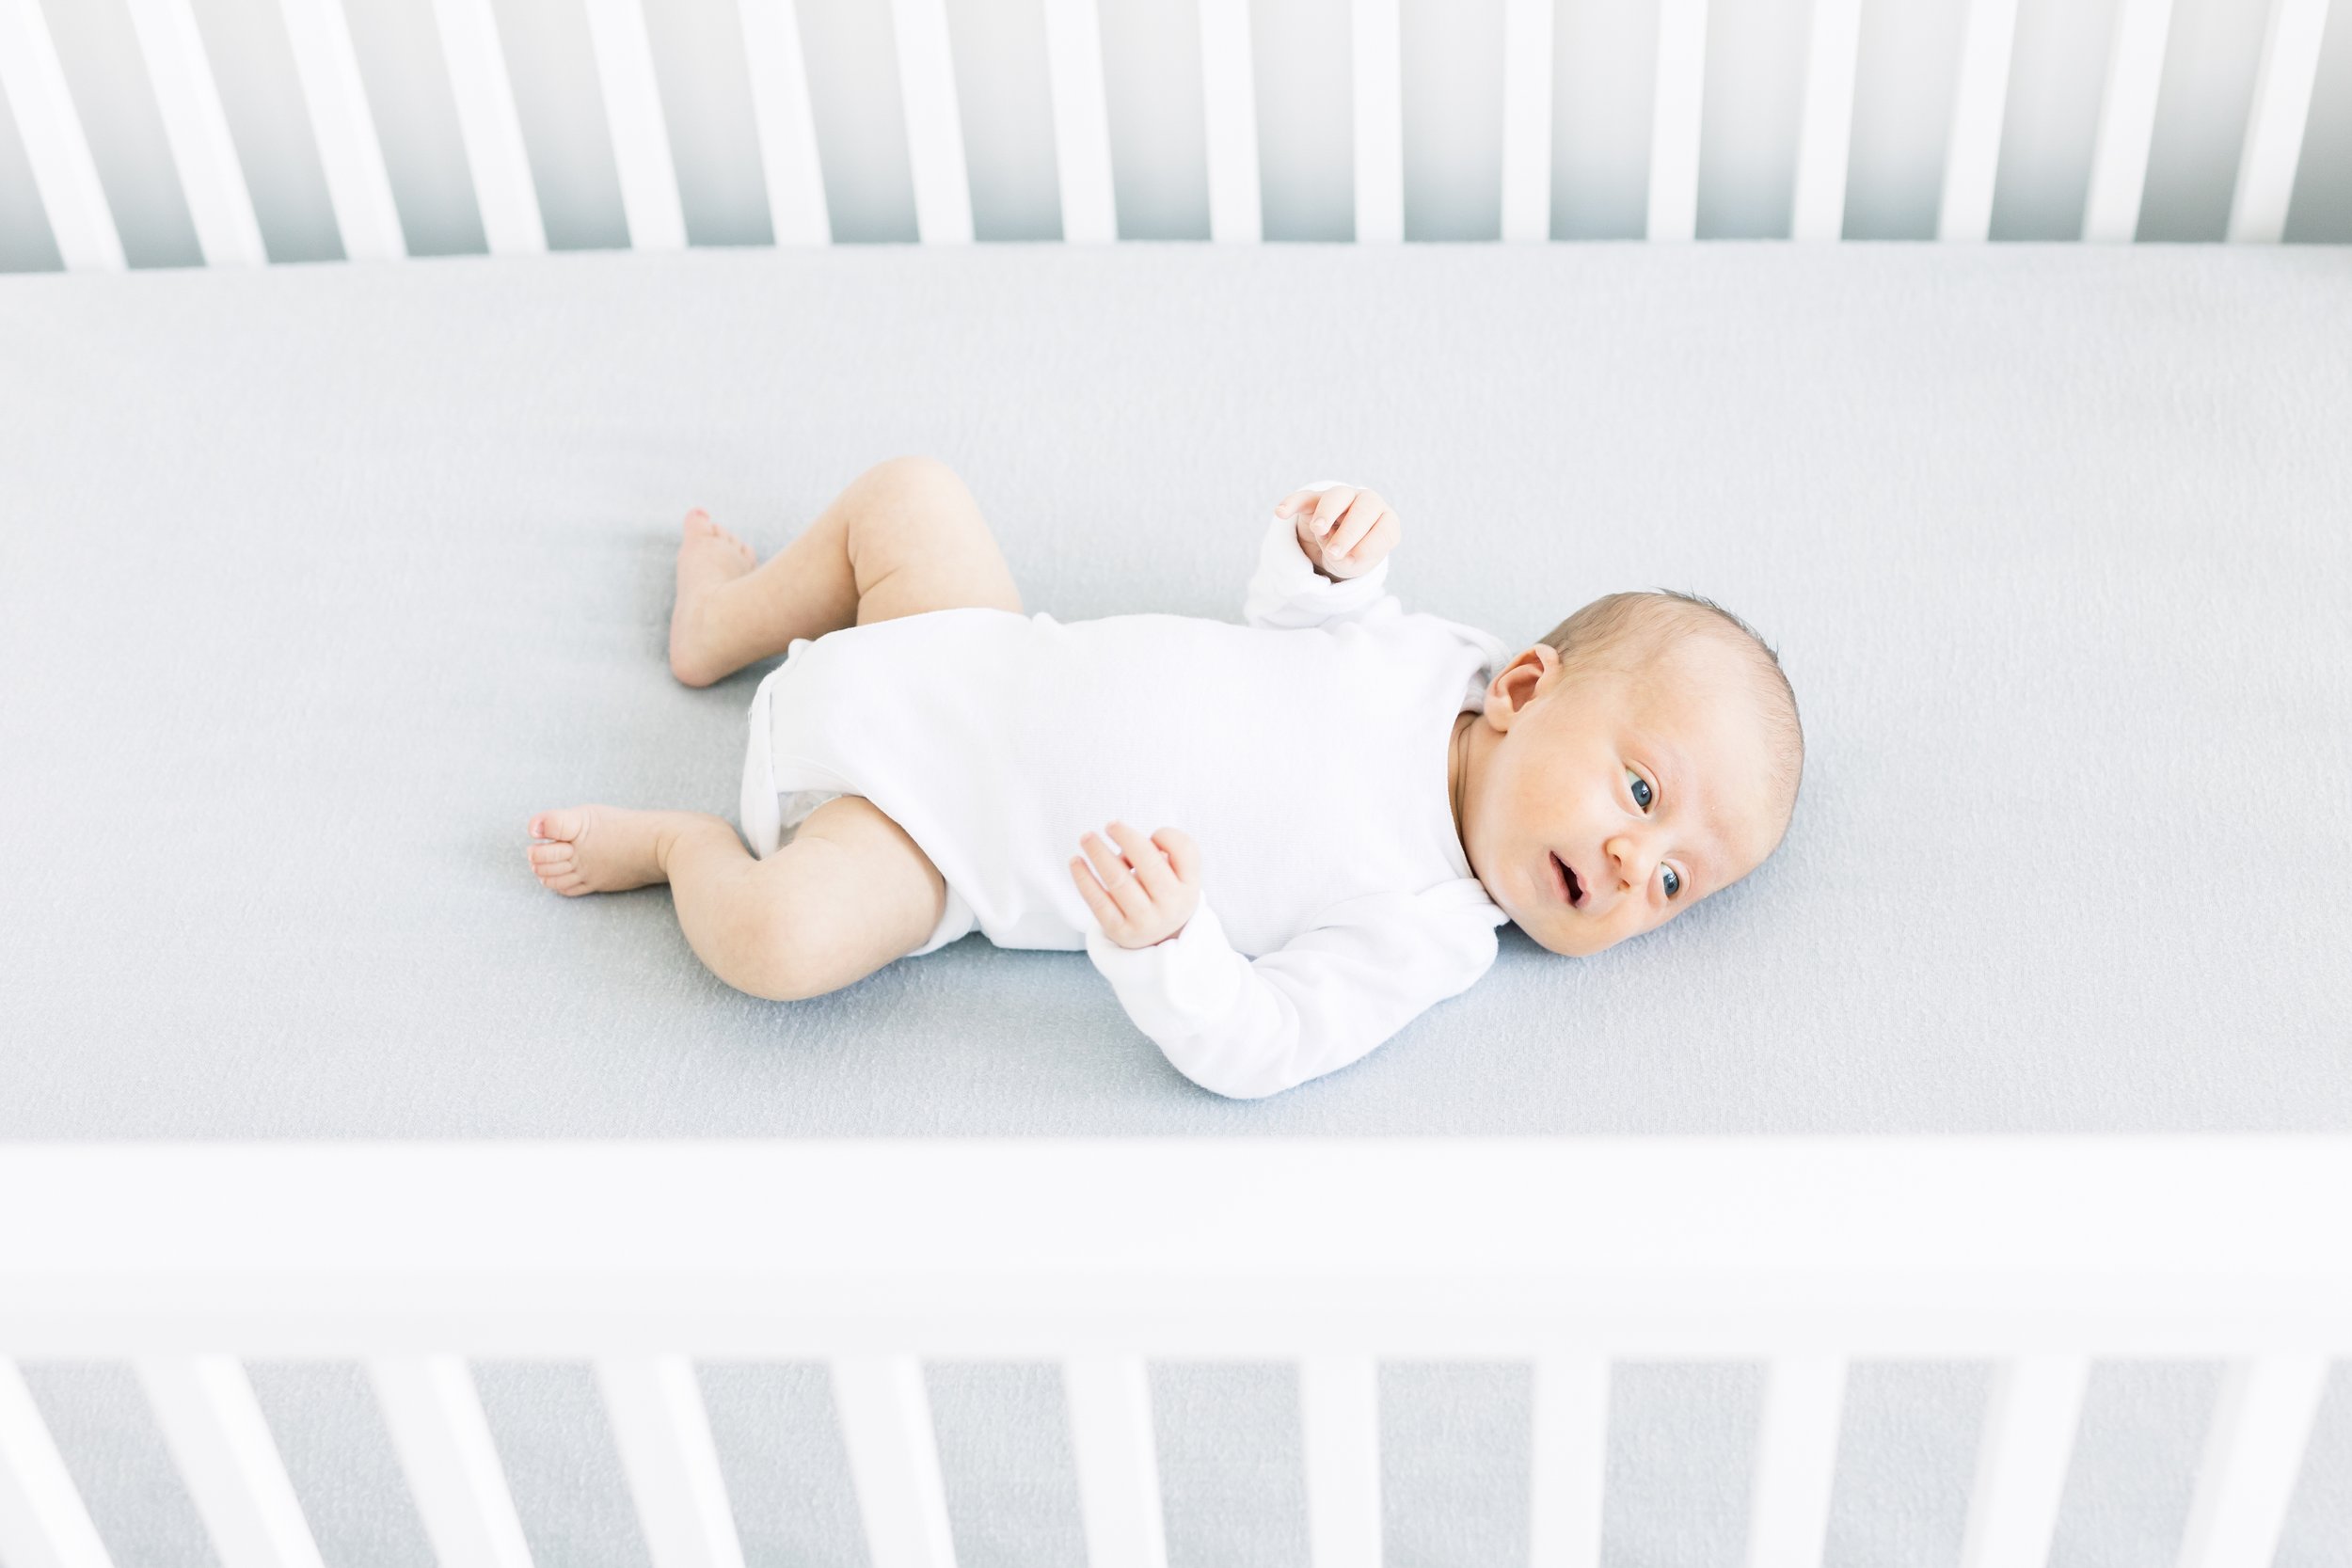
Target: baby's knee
(916, 474)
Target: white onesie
(1304, 751)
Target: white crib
(2033, 1254)
(1588, 95)
(2038, 1255)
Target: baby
(1377, 791)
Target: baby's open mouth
(1570, 888)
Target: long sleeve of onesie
(1361, 970)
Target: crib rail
(2038, 1254)
(173, 52)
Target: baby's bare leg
(904, 536)
(851, 893)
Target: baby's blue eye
(1641, 796)
(1674, 882)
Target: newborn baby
(1365, 794)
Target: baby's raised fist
(1144, 890)
(1345, 532)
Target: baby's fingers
(1364, 515)
(1151, 864)
(1295, 499)
(1183, 853)
(1124, 888)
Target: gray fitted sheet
(315, 581)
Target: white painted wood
(1119, 1471)
(1796, 1461)
(63, 171)
(1973, 155)
(1375, 49)
(1230, 106)
(786, 123)
(1825, 132)
(2274, 131)
(663, 1435)
(1082, 124)
(434, 1414)
(222, 1446)
(632, 112)
(2253, 1456)
(492, 131)
(196, 131)
(1339, 1399)
(349, 151)
(2030, 1426)
(1527, 46)
(1482, 1248)
(1675, 111)
(927, 91)
(43, 1523)
(1569, 1454)
(894, 1458)
(2127, 120)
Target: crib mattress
(320, 579)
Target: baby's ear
(1516, 683)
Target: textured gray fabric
(319, 580)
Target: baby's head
(1644, 754)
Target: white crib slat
(357, 183)
(1527, 45)
(1796, 1461)
(2127, 120)
(894, 1458)
(434, 1414)
(1082, 125)
(197, 132)
(786, 123)
(632, 112)
(492, 131)
(1229, 105)
(1376, 47)
(1826, 135)
(1972, 156)
(2274, 132)
(43, 1523)
(663, 1435)
(217, 1437)
(1673, 137)
(63, 170)
(926, 92)
(1118, 1474)
(1570, 1459)
(2029, 1425)
(2253, 1453)
(1339, 1422)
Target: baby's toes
(565, 825)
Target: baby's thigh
(863, 893)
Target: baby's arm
(1294, 587)
(1243, 1029)
(1364, 969)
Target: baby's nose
(1633, 860)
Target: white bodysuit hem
(769, 813)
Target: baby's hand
(1146, 896)
(1346, 532)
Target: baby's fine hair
(1629, 631)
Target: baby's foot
(709, 557)
(598, 849)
